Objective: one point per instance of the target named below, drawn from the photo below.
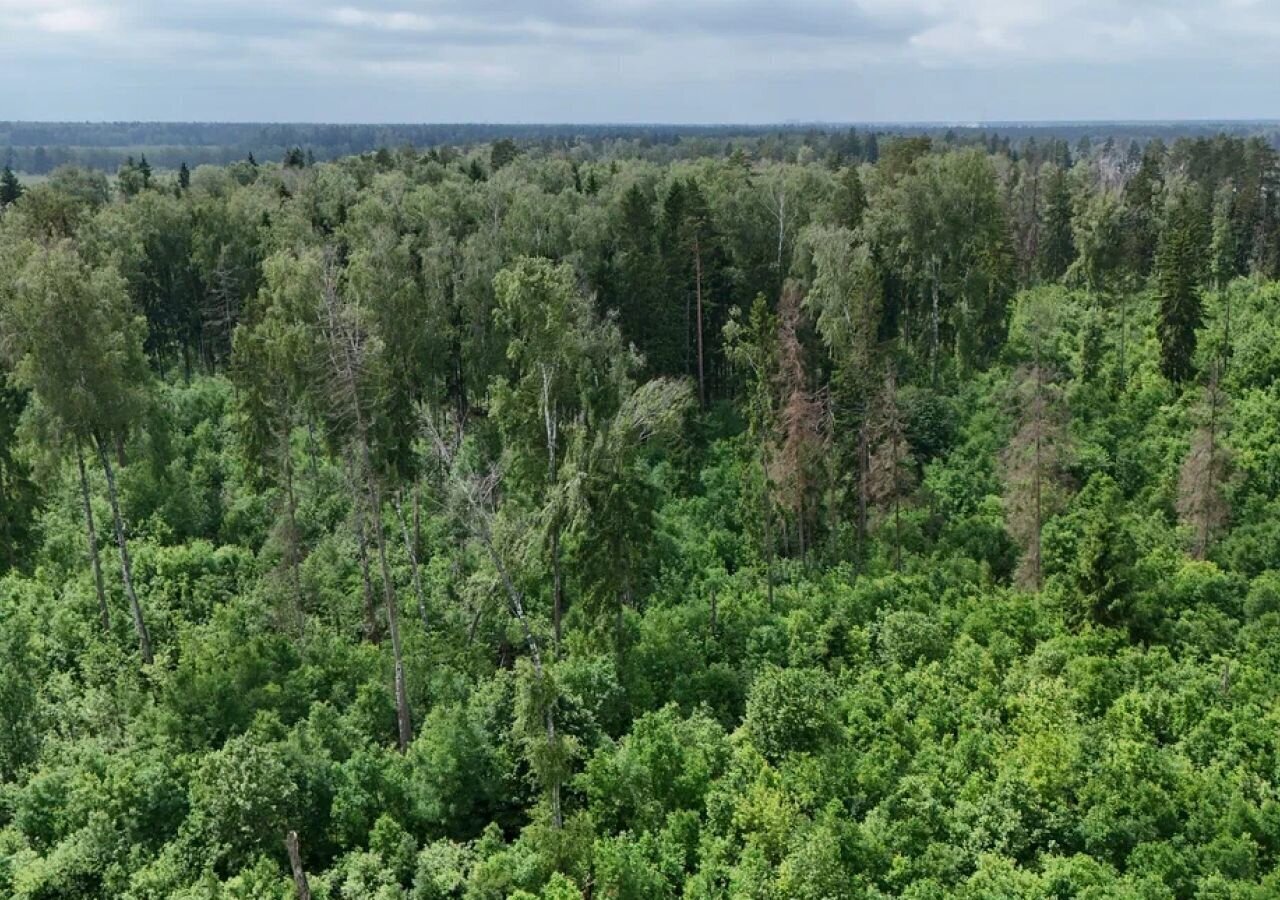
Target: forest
(37, 148)
(882, 516)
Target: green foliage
(790, 710)
(661, 652)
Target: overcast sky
(639, 60)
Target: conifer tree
(891, 475)
(1057, 246)
(1179, 269)
(1033, 459)
(10, 187)
(753, 347)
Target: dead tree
(348, 348)
(1202, 501)
(411, 547)
(891, 473)
(1032, 463)
(295, 863)
(122, 544)
(803, 422)
(476, 498)
(104, 613)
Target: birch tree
(74, 340)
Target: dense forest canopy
(862, 516)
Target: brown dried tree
(1202, 501)
(1033, 465)
(803, 419)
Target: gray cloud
(706, 60)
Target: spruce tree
(1179, 268)
(10, 187)
(1058, 249)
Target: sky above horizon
(677, 61)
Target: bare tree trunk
(517, 606)
(417, 517)
(104, 612)
(935, 324)
(697, 268)
(126, 566)
(291, 516)
(295, 863)
(514, 597)
(404, 722)
(557, 586)
(346, 355)
(480, 513)
(410, 545)
(714, 622)
(371, 629)
(551, 423)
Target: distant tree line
(37, 148)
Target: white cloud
(690, 49)
(351, 16)
(73, 20)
